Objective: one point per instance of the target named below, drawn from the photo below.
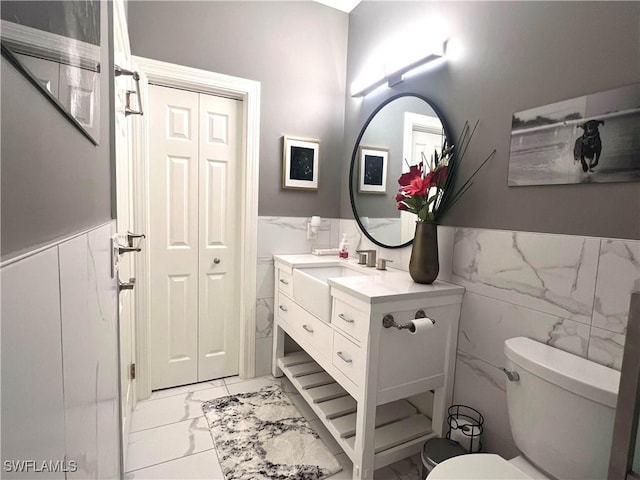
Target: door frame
(122, 171)
(248, 91)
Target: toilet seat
(477, 466)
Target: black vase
(423, 266)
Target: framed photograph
(300, 162)
(372, 177)
(588, 139)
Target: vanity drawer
(285, 283)
(285, 308)
(350, 320)
(312, 331)
(348, 357)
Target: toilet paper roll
(464, 433)
(420, 325)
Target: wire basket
(465, 427)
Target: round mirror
(396, 135)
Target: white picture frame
(372, 170)
(300, 163)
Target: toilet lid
(476, 466)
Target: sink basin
(311, 290)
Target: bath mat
(261, 435)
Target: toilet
(561, 411)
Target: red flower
(401, 206)
(415, 171)
(419, 186)
(400, 197)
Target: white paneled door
(193, 193)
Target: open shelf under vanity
(400, 429)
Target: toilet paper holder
(388, 321)
(466, 425)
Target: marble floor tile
(169, 442)
(176, 408)
(169, 392)
(253, 385)
(184, 449)
(197, 466)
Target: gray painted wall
(297, 50)
(54, 181)
(517, 55)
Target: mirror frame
(354, 157)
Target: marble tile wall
(32, 391)
(567, 291)
(281, 235)
(400, 256)
(89, 302)
(59, 358)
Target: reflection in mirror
(393, 138)
(57, 45)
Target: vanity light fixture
(312, 228)
(391, 71)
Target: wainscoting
(59, 359)
(568, 291)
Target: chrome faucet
(370, 257)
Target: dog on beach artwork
(589, 139)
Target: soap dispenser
(344, 247)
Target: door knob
(216, 260)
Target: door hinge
(132, 371)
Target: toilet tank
(561, 410)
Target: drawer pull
(344, 358)
(307, 328)
(283, 308)
(284, 281)
(345, 318)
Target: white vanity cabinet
(356, 374)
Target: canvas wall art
(590, 139)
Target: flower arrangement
(426, 189)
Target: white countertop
(374, 286)
(302, 260)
